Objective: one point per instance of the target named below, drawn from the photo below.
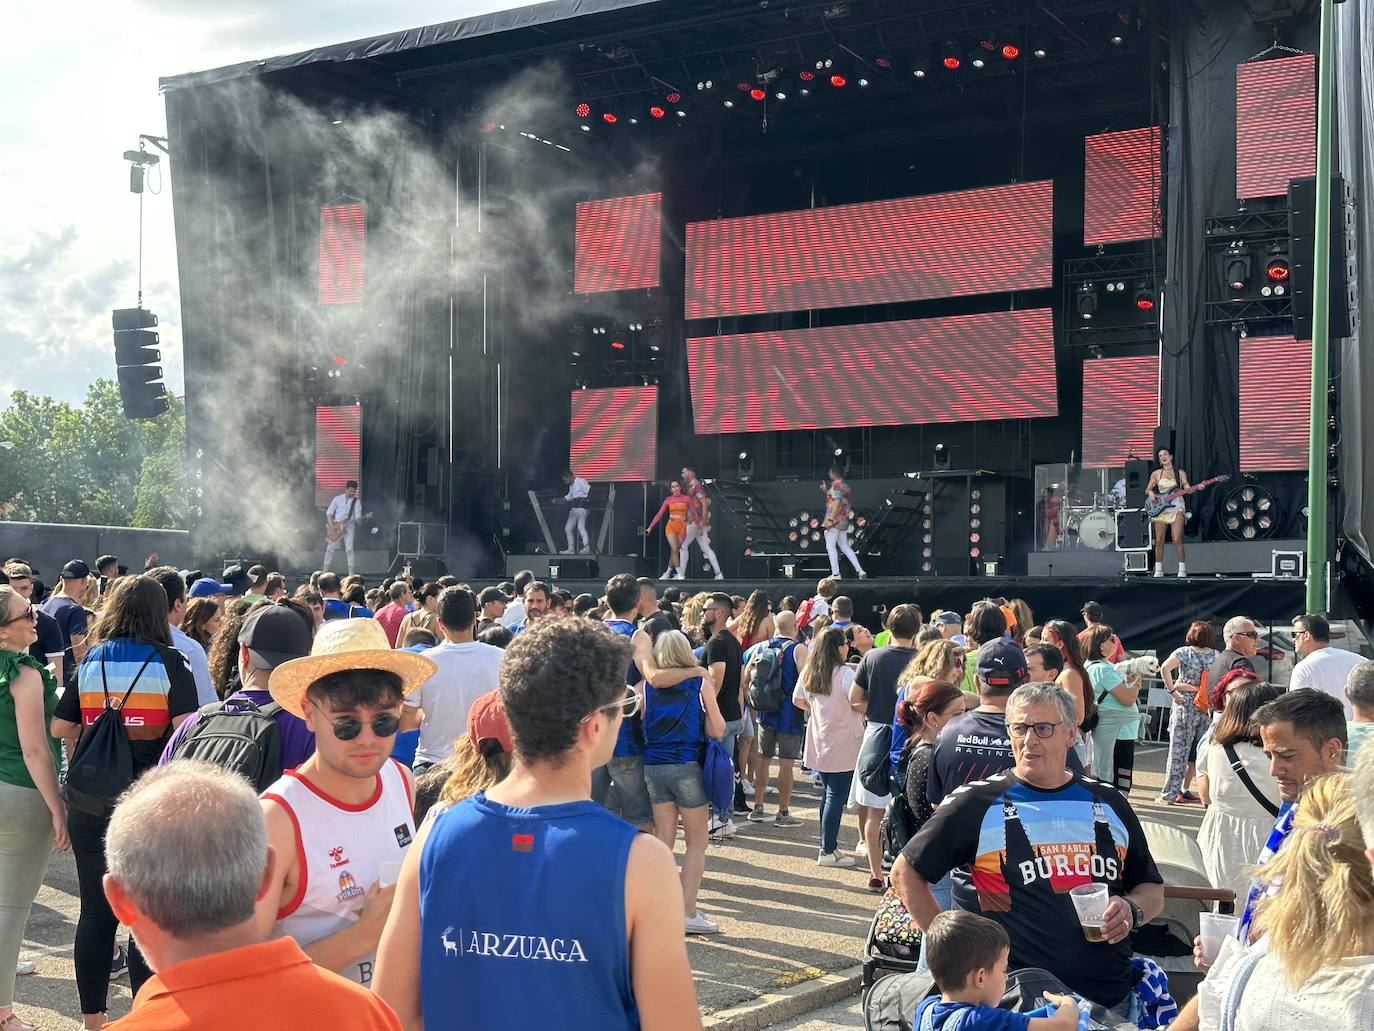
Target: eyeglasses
(1252, 634)
(384, 724)
(1042, 730)
(31, 614)
(628, 705)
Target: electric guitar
(1164, 500)
(334, 530)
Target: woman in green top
(1117, 715)
(33, 817)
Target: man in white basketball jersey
(341, 822)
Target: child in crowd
(967, 954)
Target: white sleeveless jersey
(339, 852)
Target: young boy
(967, 954)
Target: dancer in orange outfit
(679, 508)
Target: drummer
(1050, 507)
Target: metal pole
(1321, 324)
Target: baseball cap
(257, 573)
(487, 722)
(75, 570)
(273, 634)
(236, 577)
(1002, 664)
(491, 594)
(946, 618)
(208, 585)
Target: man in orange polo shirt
(188, 858)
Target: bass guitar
(1162, 502)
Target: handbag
(1200, 702)
(875, 761)
(1239, 769)
(893, 926)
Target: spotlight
(838, 452)
(950, 56)
(586, 128)
(1011, 51)
(780, 95)
(488, 127)
(681, 113)
(674, 97)
(941, 455)
(583, 110)
(757, 94)
(838, 81)
(657, 112)
(1144, 298)
(729, 103)
(804, 92)
(883, 62)
(744, 87)
(1250, 512)
(743, 456)
(863, 82)
(1087, 302)
(609, 118)
(1276, 274)
(1237, 266)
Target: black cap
(236, 577)
(274, 634)
(1001, 663)
(75, 570)
(491, 594)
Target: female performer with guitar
(1165, 480)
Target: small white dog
(1143, 666)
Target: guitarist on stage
(340, 521)
(1165, 480)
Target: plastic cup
(388, 873)
(1215, 928)
(1090, 903)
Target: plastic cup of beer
(1090, 903)
(1215, 928)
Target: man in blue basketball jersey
(531, 891)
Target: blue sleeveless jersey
(630, 740)
(788, 719)
(674, 724)
(526, 907)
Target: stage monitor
(981, 241)
(614, 434)
(1275, 403)
(338, 449)
(343, 239)
(962, 368)
(618, 243)
(1120, 409)
(1276, 124)
(1121, 181)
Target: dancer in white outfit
(578, 491)
(837, 514)
(700, 529)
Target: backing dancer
(1162, 481)
(576, 498)
(698, 530)
(837, 514)
(679, 508)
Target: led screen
(614, 433)
(618, 242)
(998, 365)
(1120, 409)
(1275, 403)
(343, 238)
(1276, 124)
(1121, 186)
(338, 449)
(913, 248)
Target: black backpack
(237, 735)
(102, 765)
(765, 691)
(898, 823)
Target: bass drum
(1097, 530)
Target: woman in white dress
(1239, 814)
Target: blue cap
(208, 585)
(947, 618)
(1001, 663)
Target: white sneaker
(758, 814)
(835, 859)
(680, 575)
(1159, 570)
(1182, 570)
(698, 924)
(720, 576)
(719, 830)
(667, 574)
(566, 551)
(23, 967)
(863, 575)
(748, 787)
(861, 849)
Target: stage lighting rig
(1087, 302)
(1277, 272)
(951, 57)
(1144, 297)
(1250, 512)
(1237, 266)
(744, 467)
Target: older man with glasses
(1242, 641)
(1019, 841)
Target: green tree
(91, 465)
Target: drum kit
(1090, 524)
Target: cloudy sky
(78, 93)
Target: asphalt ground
(785, 921)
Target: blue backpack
(718, 776)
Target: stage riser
(1204, 558)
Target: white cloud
(78, 94)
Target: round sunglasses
(384, 724)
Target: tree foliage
(91, 465)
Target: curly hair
(937, 660)
(224, 650)
(199, 611)
(555, 672)
(692, 610)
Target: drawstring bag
(718, 776)
(102, 766)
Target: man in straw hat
(341, 822)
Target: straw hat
(345, 644)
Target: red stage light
(1145, 302)
(951, 62)
(1277, 270)
(618, 345)
(743, 87)
(1011, 51)
(673, 97)
(883, 62)
(488, 126)
(583, 110)
(657, 111)
(609, 118)
(838, 81)
(806, 75)
(757, 94)
(338, 360)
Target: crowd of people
(372, 799)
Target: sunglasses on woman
(30, 613)
(628, 705)
(384, 724)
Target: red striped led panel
(1121, 172)
(998, 365)
(911, 249)
(1275, 403)
(1120, 409)
(618, 243)
(1276, 124)
(614, 434)
(343, 239)
(338, 449)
